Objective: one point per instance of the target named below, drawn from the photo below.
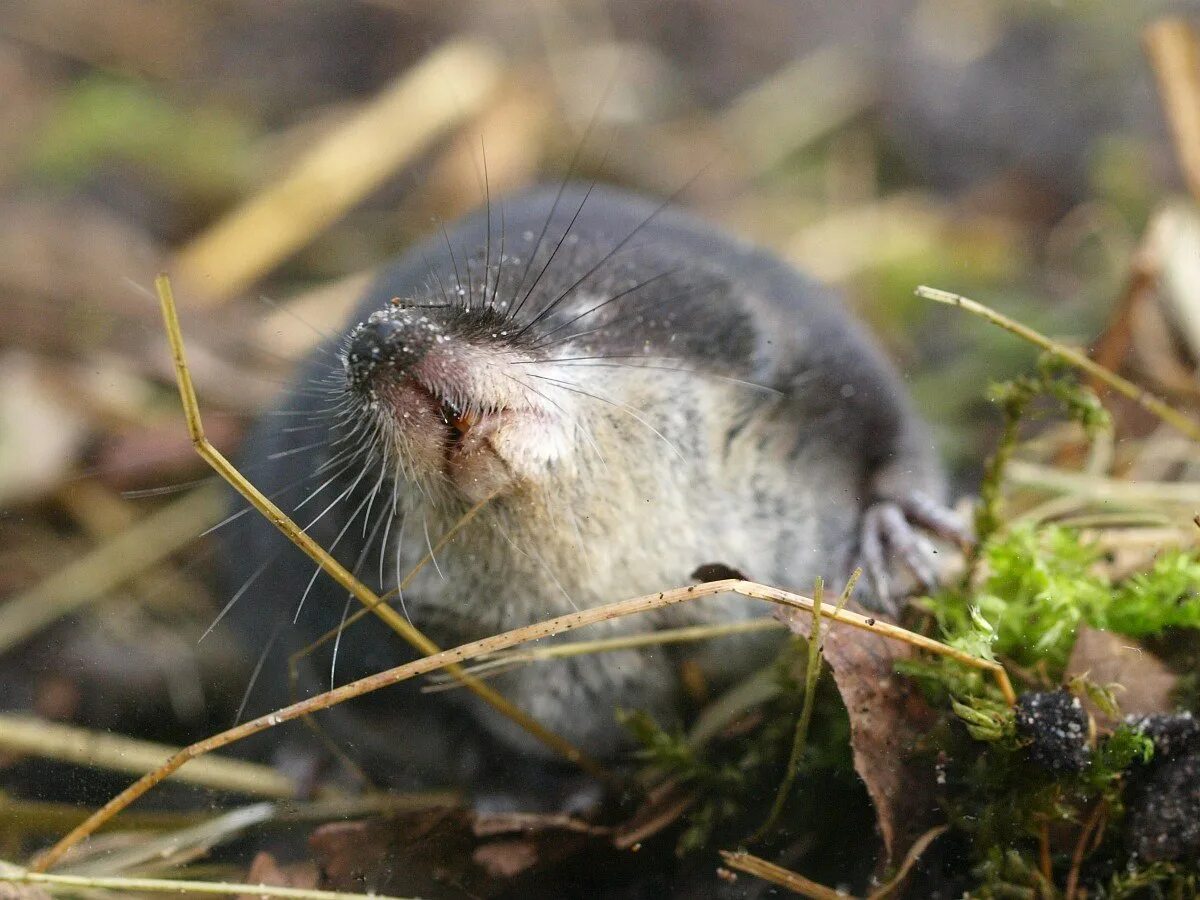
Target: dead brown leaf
(424, 853)
(451, 852)
(887, 716)
(491, 824)
(1107, 658)
(505, 859)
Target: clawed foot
(893, 529)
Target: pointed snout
(396, 340)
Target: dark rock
(1173, 735)
(1055, 724)
(1164, 812)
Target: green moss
(1157, 880)
(102, 119)
(1167, 596)
(736, 775)
(1042, 584)
(1034, 587)
(1017, 816)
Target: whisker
(429, 545)
(337, 641)
(168, 489)
(433, 273)
(351, 459)
(292, 451)
(533, 555)
(575, 360)
(576, 156)
(288, 311)
(258, 667)
(500, 267)
(358, 564)
(553, 253)
(621, 406)
(399, 579)
(239, 593)
(332, 546)
(453, 260)
(603, 304)
(391, 517)
(614, 251)
(296, 429)
(232, 517)
(587, 435)
(374, 494)
(487, 212)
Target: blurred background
(270, 153)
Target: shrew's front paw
(895, 534)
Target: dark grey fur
(768, 434)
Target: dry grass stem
(493, 644)
(123, 887)
(109, 565)
(1077, 854)
(37, 817)
(160, 855)
(920, 845)
(433, 551)
(50, 740)
(811, 677)
(491, 666)
(451, 85)
(765, 123)
(785, 878)
(800, 739)
(1175, 57)
(318, 554)
(1126, 388)
(1184, 495)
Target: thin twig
(920, 845)
(66, 743)
(45, 817)
(493, 644)
(450, 85)
(125, 886)
(490, 666)
(1175, 57)
(1099, 489)
(1045, 863)
(1138, 395)
(811, 677)
(332, 567)
(397, 591)
(786, 878)
(800, 739)
(1093, 820)
(109, 565)
(38, 817)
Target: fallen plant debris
(887, 717)
(1084, 589)
(1031, 620)
(1141, 684)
